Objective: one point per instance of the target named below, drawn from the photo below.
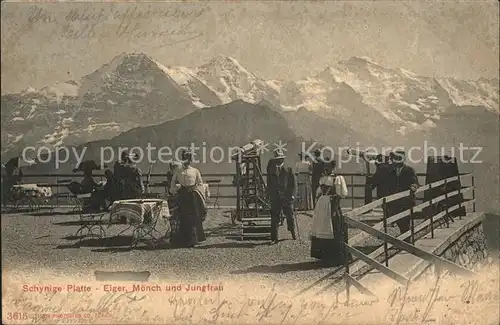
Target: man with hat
(402, 178)
(318, 167)
(281, 190)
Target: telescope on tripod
(249, 149)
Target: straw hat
(278, 154)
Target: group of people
(393, 176)
(328, 229)
(318, 187)
(184, 184)
(123, 182)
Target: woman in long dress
(303, 169)
(328, 228)
(186, 184)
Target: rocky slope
(134, 90)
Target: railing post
(57, 191)
(446, 203)
(352, 192)
(412, 227)
(460, 203)
(384, 211)
(346, 260)
(473, 195)
(431, 211)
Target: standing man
(380, 179)
(318, 167)
(402, 178)
(281, 188)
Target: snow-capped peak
(224, 65)
(62, 89)
(359, 60)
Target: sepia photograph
(250, 162)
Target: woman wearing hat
(303, 169)
(185, 184)
(328, 229)
(318, 168)
(129, 177)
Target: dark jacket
(403, 182)
(88, 184)
(133, 187)
(280, 183)
(380, 180)
(318, 168)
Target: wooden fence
(380, 231)
(221, 186)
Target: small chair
(89, 223)
(147, 228)
(215, 203)
(141, 217)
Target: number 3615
(17, 316)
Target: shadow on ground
(232, 245)
(283, 268)
(51, 213)
(222, 230)
(115, 241)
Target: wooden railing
(380, 231)
(219, 181)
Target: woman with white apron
(328, 229)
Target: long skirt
(191, 213)
(328, 232)
(304, 193)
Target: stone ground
(45, 240)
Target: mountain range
(134, 100)
(134, 90)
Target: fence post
(352, 192)
(473, 195)
(346, 260)
(384, 211)
(446, 203)
(412, 227)
(431, 211)
(57, 191)
(460, 203)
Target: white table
(142, 215)
(135, 210)
(42, 190)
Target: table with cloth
(30, 194)
(143, 215)
(34, 189)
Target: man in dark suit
(402, 178)
(318, 168)
(380, 179)
(281, 188)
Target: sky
(42, 44)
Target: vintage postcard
(250, 162)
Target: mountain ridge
(134, 90)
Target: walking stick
(296, 224)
